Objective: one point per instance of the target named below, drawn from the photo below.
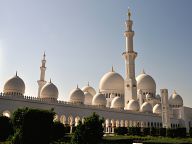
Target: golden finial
(112, 69)
(174, 92)
(129, 13)
(44, 55)
(143, 71)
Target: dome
(77, 96)
(14, 86)
(49, 91)
(149, 96)
(176, 100)
(158, 97)
(157, 109)
(88, 98)
(133, 105)
(89, 89)
(146, 83)
(99, 100)
(146, 107)
(117, 103)
(112, 81)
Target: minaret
(166, 121)
(129, 55)
(42, 81)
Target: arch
(77, 119)
(70, 120)
(63, 119)
(126, 123)
(117, 123)
(56, 118)
(7, 113)
(113, 123)
(122, 124)
(83, 119)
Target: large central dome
(112, 81)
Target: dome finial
(44, 55)
(112, 69)
(88, 83)
(16, 73)
(143, 71)
(77, 86)
(129, 13)
(50, 81)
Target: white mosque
(121, 101)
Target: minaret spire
(129, 56)
(42, 81)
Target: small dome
(14, 86)
(112, 81)
(99, 100)
(157, 109)
(88, 98)
(112, 95)
(117, 103)
(89, 89)
(146, 83)
(49, 91)
(158, 97)
(77, 96)
(146, 107)
(133, 105)
(175, 100)
(149, 97)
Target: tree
(58, 131)
(32, 126)
(6, 128)
(89, 132)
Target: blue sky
(84, 38)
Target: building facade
(122, 102)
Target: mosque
(122, 101)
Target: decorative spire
(77, 86)
(143, 71)
(16, 73)
(50, 81)
(44, 55)
(112, 69)
(129, 14)
(174, 92)
(88, 83)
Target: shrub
(121, 130)
(58, 131)
(146, 131)
(190, 132)
(134, 131)
(162, 132)
(6, 128)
